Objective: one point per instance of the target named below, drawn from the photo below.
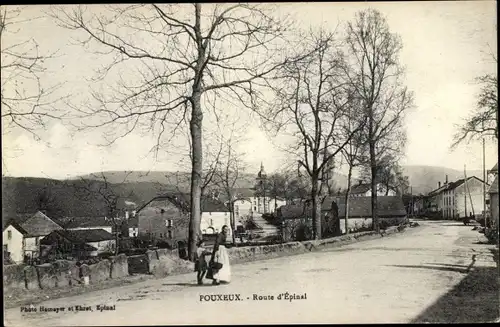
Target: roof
(360, 188)
(183, 201)
(85, 235)
(293, 211)
(494, 186)
(74, 222)
(40, 225)
(453, 185)
(16, 226)
(388, 206)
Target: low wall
(62, 273)
(13, 278)
(160, 263)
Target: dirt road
(423, 274)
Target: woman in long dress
(220, 255)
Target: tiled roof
(86, 235)
(183, 201)
(294, 211)
(452, 185)
(388, 206)
(360, 188)
(69, 236)
(74, 222)
(40, 225)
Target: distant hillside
(68, 198)
(424, 179)
(180, 180)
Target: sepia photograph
(250, 163)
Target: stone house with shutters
(164, 217)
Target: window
(169, 233)
(9, 235)
(169, 222)
(37, 240)
(161, 235)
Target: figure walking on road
(201, 264)
(219, 266)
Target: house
(214, 215)
(13, 241)
(365, 189)
(164, 217)
(458, 199)
(37, 227)
(77, 243)
(390, 211)
(493, 192)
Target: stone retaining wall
(160, 263)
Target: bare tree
(483, 122)
(354, 155)
(26, 104)
(377, 77)
(182, 56)
(312, 100)
(227, 174)
(101, 189)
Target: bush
(303, 233)
(492, 235)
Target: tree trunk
(316, 210)
(348, 192)
(373, 165)
(195, 126)
(232, 221)
(196, 173)
(116, 236)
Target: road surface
(400, 278)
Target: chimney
(133, 213)
(439, 184)
(446, 181)
(126, 214)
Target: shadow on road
(475, 299)
(183, 284)
(454, 268)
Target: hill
(180, 180)
(424, 179)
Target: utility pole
(465, 192)
(484, 187)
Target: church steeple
(262, 173)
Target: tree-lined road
(401, 278)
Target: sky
(445, 46)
